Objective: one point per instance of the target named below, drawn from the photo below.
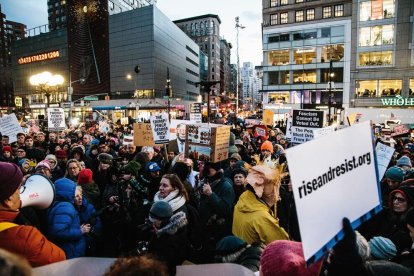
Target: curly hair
(145, 265)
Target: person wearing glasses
(57, 171)
(73, 169)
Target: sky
(33, 13)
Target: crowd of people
(156, 206)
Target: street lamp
(46, 83)
(168, 94)
(330, 76)
(238, 26)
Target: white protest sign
(301, 135)
(9, 126)
(330, 183)
(289, 128)
(128, 140)
(319, 132)
(384, 155)
(196, 117)
(160, 128)
(103, 127)
(56, 119)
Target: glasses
(20, 151)
(398, 199)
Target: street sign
(18, 101)
(91, 98)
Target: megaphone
(37, 191)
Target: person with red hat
(24, 240)
(7, 155)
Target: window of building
(284, 2)
(339, 10)
(376, 35)
(326, 12)
(284, 18)
(273, 78)
(325, 32)
(304, 55)
(278, 57)
(310, 14)
(376, 9)
(273, 19)
(273, 3)
(378, 88)
(299, 16)
(299, 1)
(311, 34)
(279, 38)
(411, 87)
(389, 88)
(338, 75)
(279, 97)
(337, 31)
(284, 77)
(304, 76)
(366, 88)
(384, 58)
(334, 52)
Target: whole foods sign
(398, 100)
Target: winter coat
(64, 220)
(406, 259)
(254, 221)
(170, 243)
(92, 194)
(28, 242)
(248, 257)
(216, 210)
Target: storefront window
(411, 87)
(375, 58)
(376, 35)
(389, 88)
(304, 56)
(334, 52)
(280, 97)
(280, 57)
(376, 9)
(367, 88)
(273, 78)
(304, 76)
(284, 77)
(378, 88)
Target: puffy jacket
(64, 221)
(254, 221)
(28, 242)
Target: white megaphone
(37, 191)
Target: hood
(65, 190)
(248, 203)
(176, 222)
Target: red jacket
(28, 242)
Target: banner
(128, 140)
(398, 130)
(268, 116)
(307, 118)
(9, 126)
(384, 155)
(329, 176)
(56, 119)
(301, 135)
(160, 128)
(143, 135)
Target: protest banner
(301, 135)
(268, 117)
(124, 121)
(177, 135)
(143, 135)
(56, 119)
(326, 179)
(9, 126)
(307, 118)
(319, 132)
(195, 112)
(398, 130)
(384, 155)
(160, 128)
(128, 140)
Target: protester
(72, 169)
(14, 265)
(145, 265)
(89, 188)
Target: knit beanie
(395, 173)
(10, 179)
(236, 156)
(267, 145)
(229, 245)
(232, 146)
(160, 210)
(133, 167)
(61, 154)
(7, 148)
(386, 268)
(85, 177)
(286, 258)
(44, 164)
(382, 248)
(404, 161)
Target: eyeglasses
(20, 151)
(398, 199)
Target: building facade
(251, 85)
(205, 31)
(382, 64)
(300, 39)
(10, 31)
(225, 75)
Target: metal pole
(238, 63)
(93, 53)
(330, 90)
(168, 94)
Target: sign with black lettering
(326, 178)
(160, 128)
(308, 118)
(195, 108)
(9, 126)
(56, 119)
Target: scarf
(176, 201)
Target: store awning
(109, 107)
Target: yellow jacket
(254, 221)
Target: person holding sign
(254, 220)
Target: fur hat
(85, 177)
(382, 248)
(10, 179)
(395, 173)
(267, 145)
(286, 258)
(404, 161)
(265, 182)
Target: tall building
(382, 65)
(300, 39)
(233, 80)
(251, 85)
(225, 75)
(205, 31)
(10, 31)
(58, 10)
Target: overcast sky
(33, 13)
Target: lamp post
(331, 75)
(168, 94)
(46, 82)
(238, 26)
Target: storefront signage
(398, 100)
(39, 57)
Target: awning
(108, 107)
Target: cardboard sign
(384, 155)
(9, 126)
(331, 182)
(56, 119)
(143, 135)
(308, 118)
(400, 130)
(207, 142)
(124, 121)
(268, 116)
(160, 128)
